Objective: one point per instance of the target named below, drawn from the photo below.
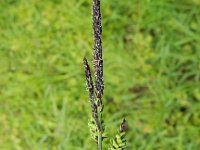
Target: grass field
(151, 51)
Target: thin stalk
(100, 141)
(99, 112)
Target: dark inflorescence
(90, 88)
(97, 54)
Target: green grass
(151, 73)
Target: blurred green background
(151, 51)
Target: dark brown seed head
(88, 77)
(90, 88)
(97, 54)
(98, 72)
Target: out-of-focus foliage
(151, 72)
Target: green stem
(99, 105)
(100, 141)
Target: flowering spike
(90, 88)
(97, 54)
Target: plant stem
(100, 141)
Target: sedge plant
(95, 91)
